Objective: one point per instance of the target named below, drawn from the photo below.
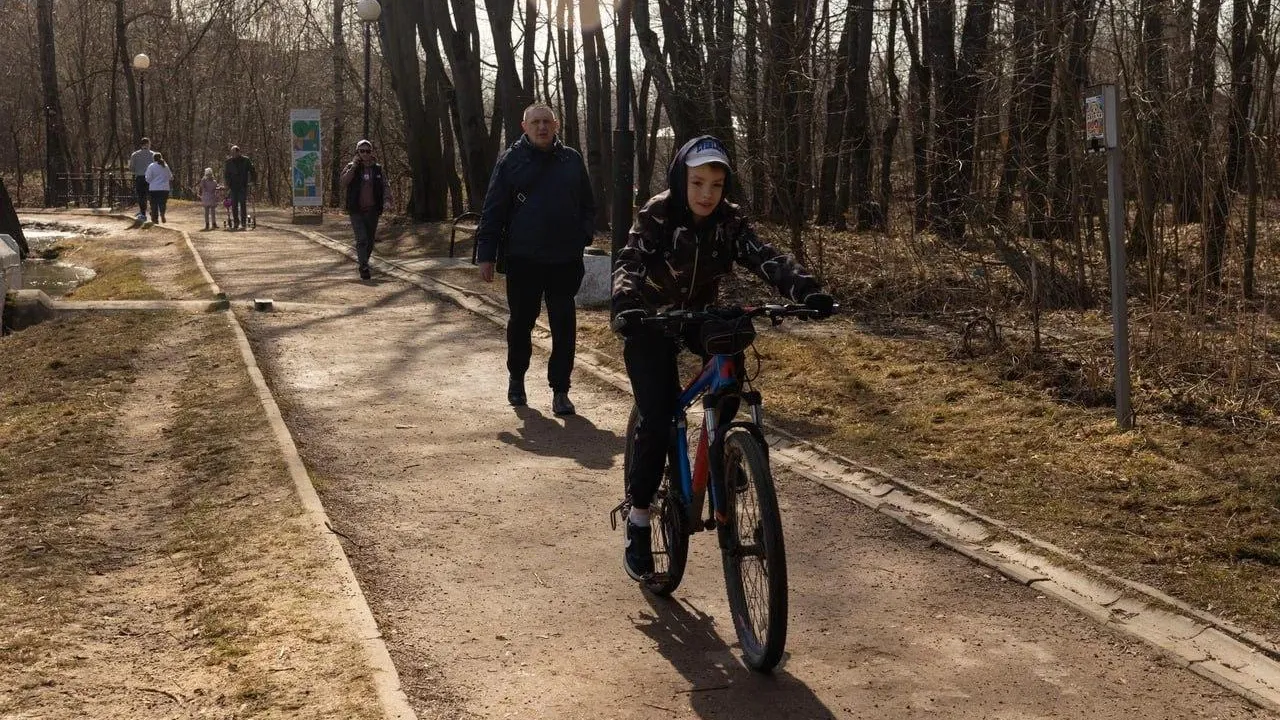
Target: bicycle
(732, 462)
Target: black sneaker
(561, 405)
(637, 553)
(365, 274)
(515, 393)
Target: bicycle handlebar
(775, 313)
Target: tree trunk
(859, 121)
(1199, 122)
(830, 211)
(890, 134)
(920, 92)
(1149, 122)
(336, 137)
(511, 90)
(570, 127)
(460, 39)
(56, 156)
(9, 223)
(595, 123)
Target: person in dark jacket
(364, 185)
(237, 174)
(683, 242)
(539, 205)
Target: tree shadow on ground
(720, 686)
(574, 437)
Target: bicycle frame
(717, 380)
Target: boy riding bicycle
(684, 240)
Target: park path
(480, 535)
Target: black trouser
(141, 187)
(528, 283)
(651, 359)
(239, 211)
(159, 202)
(364, 225)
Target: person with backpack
(538, 216)
(238, 173)
(366, 193)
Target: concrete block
(597, 280)
(25, 308)
(10, 265)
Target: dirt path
(481, 537)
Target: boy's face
(705, 189)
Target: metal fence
(101, 188)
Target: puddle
(42, 271)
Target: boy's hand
(627, 322)
(821, 304)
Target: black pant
(364, 225)
(528, 283)
(141, 187)
(239, 212)
(159, 202)
(650, 356)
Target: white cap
(707, 151)
(362, 143)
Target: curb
(386, 679)
(1237, 660)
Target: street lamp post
(368, 12)
(142, 63)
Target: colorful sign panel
(304, 133)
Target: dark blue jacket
(556, 218)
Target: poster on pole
(304, 133)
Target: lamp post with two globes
(368, 11)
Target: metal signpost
(1102, 134)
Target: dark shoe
(560, 404)
(515, 393)
(365, 274)
(637, 554)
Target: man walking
(364, 185)
(539, 208)
(139, 161)
(237, 173)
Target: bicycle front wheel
(667, 521)
(755, 562)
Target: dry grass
(1188, 502)
(233, 582)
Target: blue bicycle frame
(718, 375)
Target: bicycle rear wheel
(667, 520)
(755, 562)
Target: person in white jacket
(159, 177)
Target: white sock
(638, 517)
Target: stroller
(251, 214)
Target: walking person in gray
(139, 161)
(237, 173)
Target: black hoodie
(668, 263)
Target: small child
(207, 190)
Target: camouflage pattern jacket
(661, 269)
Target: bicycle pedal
(622, 509)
